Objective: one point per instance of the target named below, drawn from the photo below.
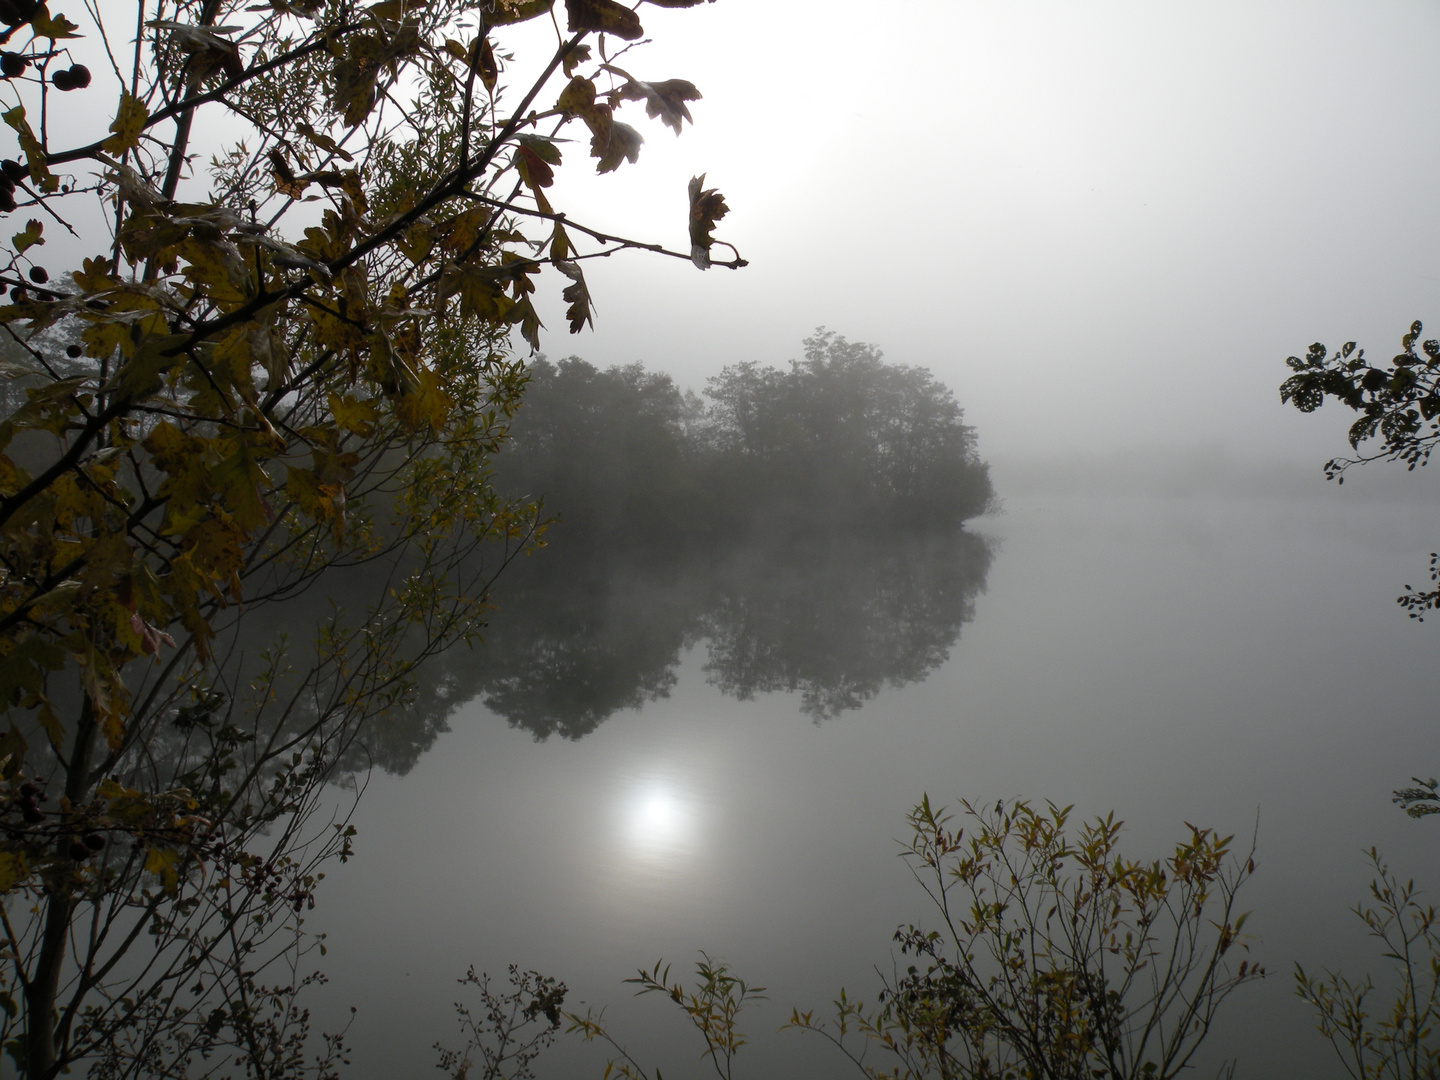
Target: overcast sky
(1104, 224)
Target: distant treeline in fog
(841, 439)
(801, 527)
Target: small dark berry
(10, 14)
(39, 275)
(19, 295)
(79, 76)
(93, 840)
(63, 80)
(79, 852)
(73, 351)
(32, 814)
(29, 790)
(12, 64)
(7, 200)
(14, 170)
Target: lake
(1183, 638)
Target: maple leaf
(606, 16)
(534, 158)
(663, 99)
(576, 56)
(613, 143)
(707, 206)
(580, 310)
(129, 121)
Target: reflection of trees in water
(743, 519)
(840, 619)
(582, 632)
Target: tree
(1397, 1041)
(845, 436)
(1056, 956)
(273, 386)
(1399, 407)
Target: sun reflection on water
(660, 821)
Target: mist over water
(1104, 226)
(679, 737)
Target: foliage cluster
(1397, 1040)
(278, 367)
(1059, 958)
(1399, 407)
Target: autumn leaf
(560, 243)
(578, 97)
(663, 99)
(479, 57)
(31, 148)
(13, 869)
(606, 16)
(29, 236)
(355, 74)
(707, 206)
(504, 12)
(484, 63)
(150, 638)
(579, 312)
(578, 54)
(534, 158)
(164, 863)
(130, 120)
(286, 182)
(616, 142)
(54, 27)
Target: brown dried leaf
(606, 16)
(707, 206)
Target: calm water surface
(1216, 652)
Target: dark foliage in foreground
(1399, 408)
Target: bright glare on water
(660, 822)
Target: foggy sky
(1103, 224)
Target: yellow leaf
(163, 862)
(353, 415)
(130, 120)
(31, 148)
(13, 870)
(29, 236)
(53, 27)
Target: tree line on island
(805, 525)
